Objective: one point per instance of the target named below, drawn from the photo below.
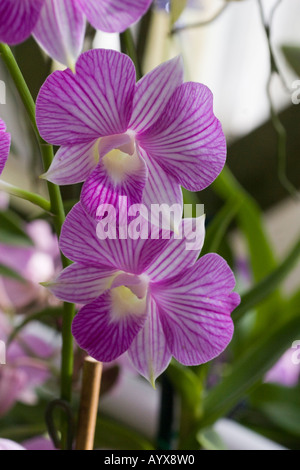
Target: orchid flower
(140, 140)
(4, 145)
(26, 366)
(147, 296)
(59, 25)
(33, 263)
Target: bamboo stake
(91, 382)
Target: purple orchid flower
(149, 297)
(40, 261)
(26, 366)
(4, 145)
(286, 371)
(141, 140)
(59, 25)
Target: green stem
(178, 29)
(128, 47)
(16, 74)
(35, 199)
(264, 288)
(57, 209)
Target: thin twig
(178, 29)
(276, 122)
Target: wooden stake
(91, 382)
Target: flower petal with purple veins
(153, 92)
(79, 242)
(117, 174)
(94, 102)
(187, 140)
(106, 327)
(113, 16)
(4, 145)
(181, 252)
(82, 283)
(149, 351)
(162, 190)
(195, 309)
(60, 30)
(73, 163)
(17, 19)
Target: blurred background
(250, 59)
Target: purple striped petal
(106, 327)
(162, 190)
(94, 102)
(195, 310)
(4, 145)
(81, 283)
(181, 252)
(73, 163)
(79, 242)
(17, 19)
(153, 92)
(114, 16)
(60, 30)
(111, 180)
(149, 351)
(187, 140)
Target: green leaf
(268, 285)
(249, 370)
(261, 256)
(112, 435)
(292, 55)
(188, 385)
(218, 227)
(11, 231)
(210, 440)
(5, 271)
(281, 405)
(177, 7)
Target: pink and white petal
(149, 352)
(12, 383)
(153, 92)
(106, 185)
(60, 30)
(17, 19)
(82, 284)
(73, 163)
(4, 145)
(7, 444)
(195, 310)
(163, 192)
(79, 242)
(100, 334)
(181, 252)
(114, 16)
(187, 140)
(38, 443)
(94, 102)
